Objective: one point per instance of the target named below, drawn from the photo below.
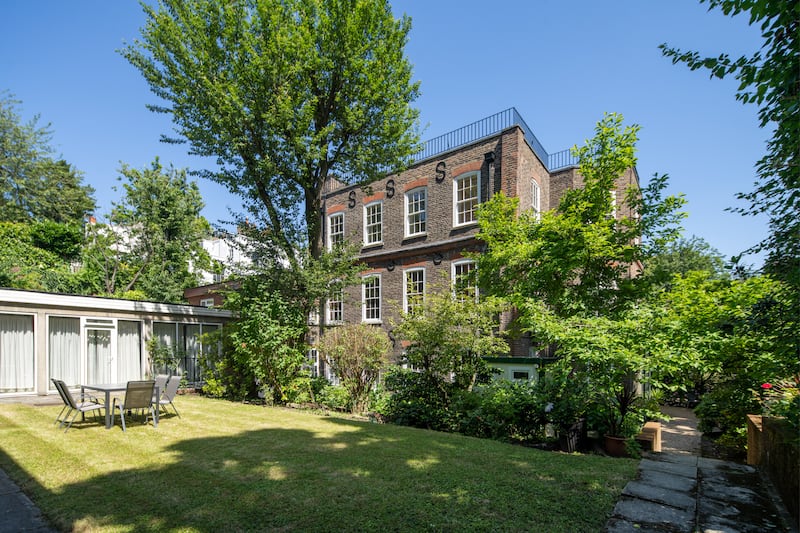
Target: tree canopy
(35, 186)
(576, 258)
(152, 243)
(284, 94)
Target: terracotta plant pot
(615, 446)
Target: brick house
(415, 226)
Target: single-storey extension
(90, 340)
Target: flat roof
(48, 299)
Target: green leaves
(576, 259)
(33, 185)
(283, 94)
(769, 78)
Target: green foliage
(283, 94)
(448, 336)
(335, 397)
(730, 337)
(576, 259)
(681, 257)
(23, 265)
(356, 353)
(503, 410)
(418, 399)
(162, 229)
(33, 185)
(768, 78)
(64, 240)
(267, 340)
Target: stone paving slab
(652, 493)
(668, 481)
(676, 469)
(644, 513)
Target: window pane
(335, 308)
(465, 283)
(336, 229)
(372, 299)
(416, 211)
(415, 289)
(467, 197)
(16, 353)
(373, 217)
(129, 351)
(64, 349)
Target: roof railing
(487, 127)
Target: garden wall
(772, 446)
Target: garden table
(108, 388)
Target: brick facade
(504, 162)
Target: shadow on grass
(362, 477)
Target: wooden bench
(650, 437)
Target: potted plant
(619, 402)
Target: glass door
(101, 351)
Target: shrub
(418, 399)
(356, 353)
(334, 397)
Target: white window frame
(207, 302)
(329, 309)
(459, 203)
(379, 223)
(364, 288)
(406, 274)
(454, 276)
(422, 214)
(536, 199)
(613, 193)
(338, 215)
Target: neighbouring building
(415, 226)
(89, 340)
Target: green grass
(233, 467)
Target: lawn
(233, 467)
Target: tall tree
(153, 242)
(769, 78)
(284, 94)
(683, 256)
(575, 259)
(33, 185)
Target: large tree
(769, 78)
(33, 185)
(284, 94)
(153, 242)
(575, 259)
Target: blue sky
(561, 63)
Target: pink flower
(766, 386)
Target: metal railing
(492, 125)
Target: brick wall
(505, 163)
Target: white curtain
(16, 353)
(64, 349)
(98, 353)
(192, 351)
(129, 351)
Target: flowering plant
(781, 398)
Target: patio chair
(161, 385)
(63, 399)
(138, 395)
(169, 393)
(76, 407)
